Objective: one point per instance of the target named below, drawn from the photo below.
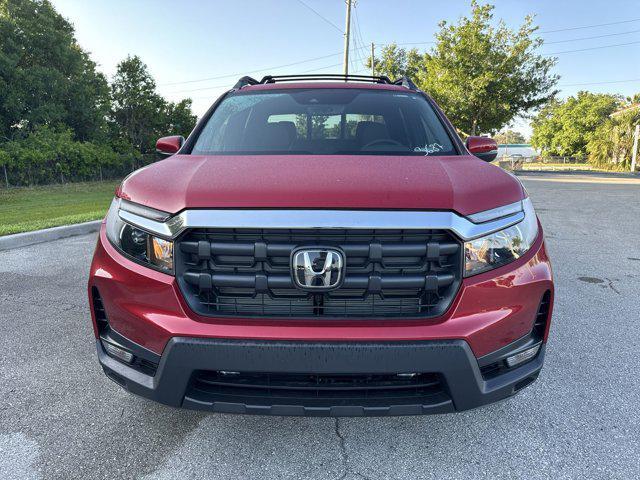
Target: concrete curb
(18, 240)
(591, 173)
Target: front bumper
(493, 313)
(461, 387)
(490, 310)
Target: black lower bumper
(460, 385)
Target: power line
(355, 10)
(198, 89)
(411, 43)
(322, 17)
(590, 26)
(261, 70)
(591, 38)
(406, 43)
(357, 43)
(233, 75)
(363, 44)
(600, 83)
(267, 68)
(629, 80)
(593, 48)
(546, 43)
(322, 68)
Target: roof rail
(244, 81)
(326, 76)
(383, 79)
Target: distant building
(524, 151)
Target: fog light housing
(523, 356)
(117, 352)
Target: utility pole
(634, 155)
(373, 60)
(347, 29)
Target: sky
(198, 49)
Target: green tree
(483, 75)
(565, 127)
(318, 125)
(509, 136)
(395, 62)
(634, 99)
(180, 120)
(45, 77)
(139, 114)
(611, 145)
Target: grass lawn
(33, 208)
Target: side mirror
(169, 145)
(484, 148)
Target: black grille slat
(99, 310)
(542, 315)
(318, 382)
(249, 249)
(351, 282)
(310, 386)
(388, 273)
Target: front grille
(388, 273)
(315, 390)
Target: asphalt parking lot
(60, 417)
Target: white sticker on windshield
(428, 149)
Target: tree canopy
(483, 75)
(564, 127)
(45, 77)
(136, 109)
(57, 110)
(611, 144)
(139, 114)
(509, 136)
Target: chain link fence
(536, 162)
(52, 172)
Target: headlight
(502, 247)
(137, 244)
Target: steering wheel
(383, 141)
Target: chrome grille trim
(322, 219)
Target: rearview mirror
(484, 148)
(169, 145)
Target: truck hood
(463, 184)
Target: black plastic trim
(328, 76)
(494, 363)
(144, 360)
(453, 360)
(138, 350)
(448, 126)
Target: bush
(52, 156)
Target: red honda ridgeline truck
(322, 245)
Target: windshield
(324, 122)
